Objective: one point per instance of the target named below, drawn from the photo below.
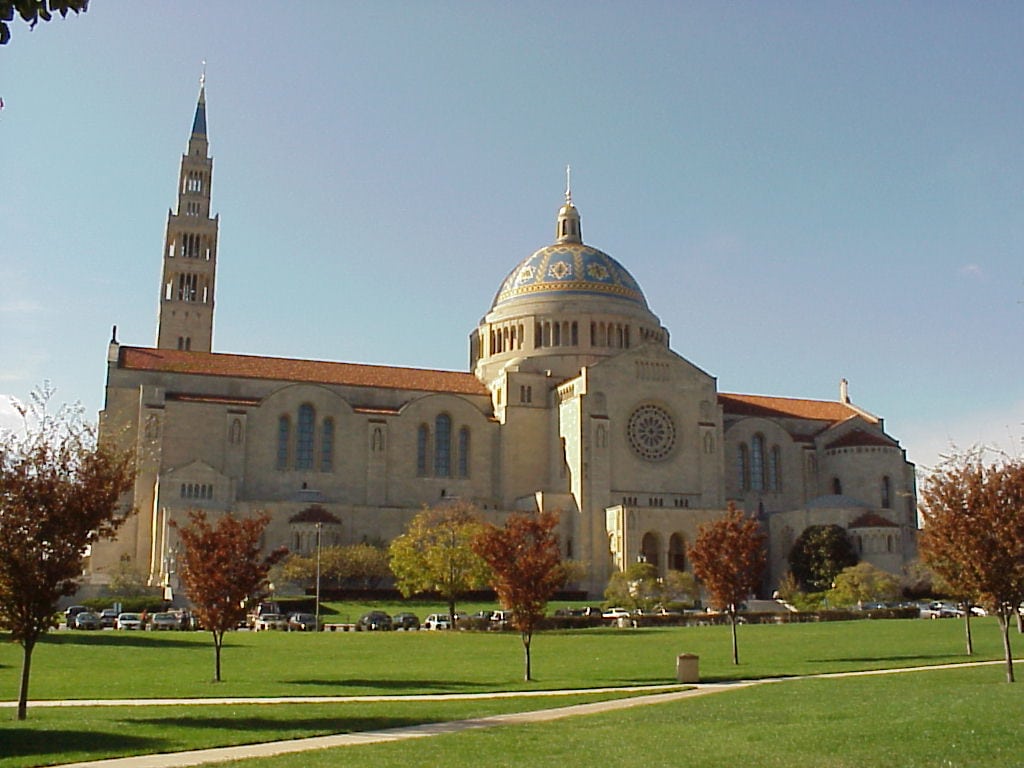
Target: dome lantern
(567, 228)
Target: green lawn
(858, 716)
(959, 718)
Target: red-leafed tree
(973, 534)
(60, 491)
(729, 557)
(526, 567)
(222, 567)
(32, 11)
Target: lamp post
(319, 526)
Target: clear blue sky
(805, 191)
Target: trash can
(687, 668)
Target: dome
(569, 268)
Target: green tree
(368, 565)
(973, 533)
(31, 11)
(223, 568)
(60, 491)
(863, 583)
(128, 581)
(679, 587)
(729, 557)
(819, 553)
(435, 554)
(526, 569)
(636, 587)
(362, 566)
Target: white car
(271, 621)
(437, 621)
(128, 621)
(615, 613)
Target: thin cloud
(972, 270)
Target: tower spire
(568, 184)
(190, 247)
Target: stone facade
(575, 403)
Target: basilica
(574, 402)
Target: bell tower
(190, 249)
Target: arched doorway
(676, 552)
(649, 548)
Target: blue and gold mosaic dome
(569, 268)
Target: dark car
(109, 617)
(302, 622)
(375, 621)
(405, 621)
(87, 620)
(70, 612)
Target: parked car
(164, 620)
(109, 617)
(438, 621)
(375, 621)
(940, 610)
(405, 621)
(616, 613)
(129, 621)
(270, 621)
(501, 619)
(70, 612)
(260, 610)
(302, 622)
(87, 620)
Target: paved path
(269, 749)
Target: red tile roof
(306, 371)
(858, 437)
(872, 520)
(761, 405)
(314, 514)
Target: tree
(59, 492)
(358, 565)
(367, 565)
(679, 587)
(222, 568)
(526, 569)
(819, 553)
(32, 11)
(636, 587)
(435, 554)
(863, 583)
(729, 557)
(973, 533)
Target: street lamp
(319, 526)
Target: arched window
(757, 463)
(464, 452)
(304, 438)
(775, 469)
(443, 445)
(422, 439)
(837, 486)
(284, 431)
(327, 445)
(743, 467)
(886, 492)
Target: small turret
(567, 228)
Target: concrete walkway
(269, 749)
